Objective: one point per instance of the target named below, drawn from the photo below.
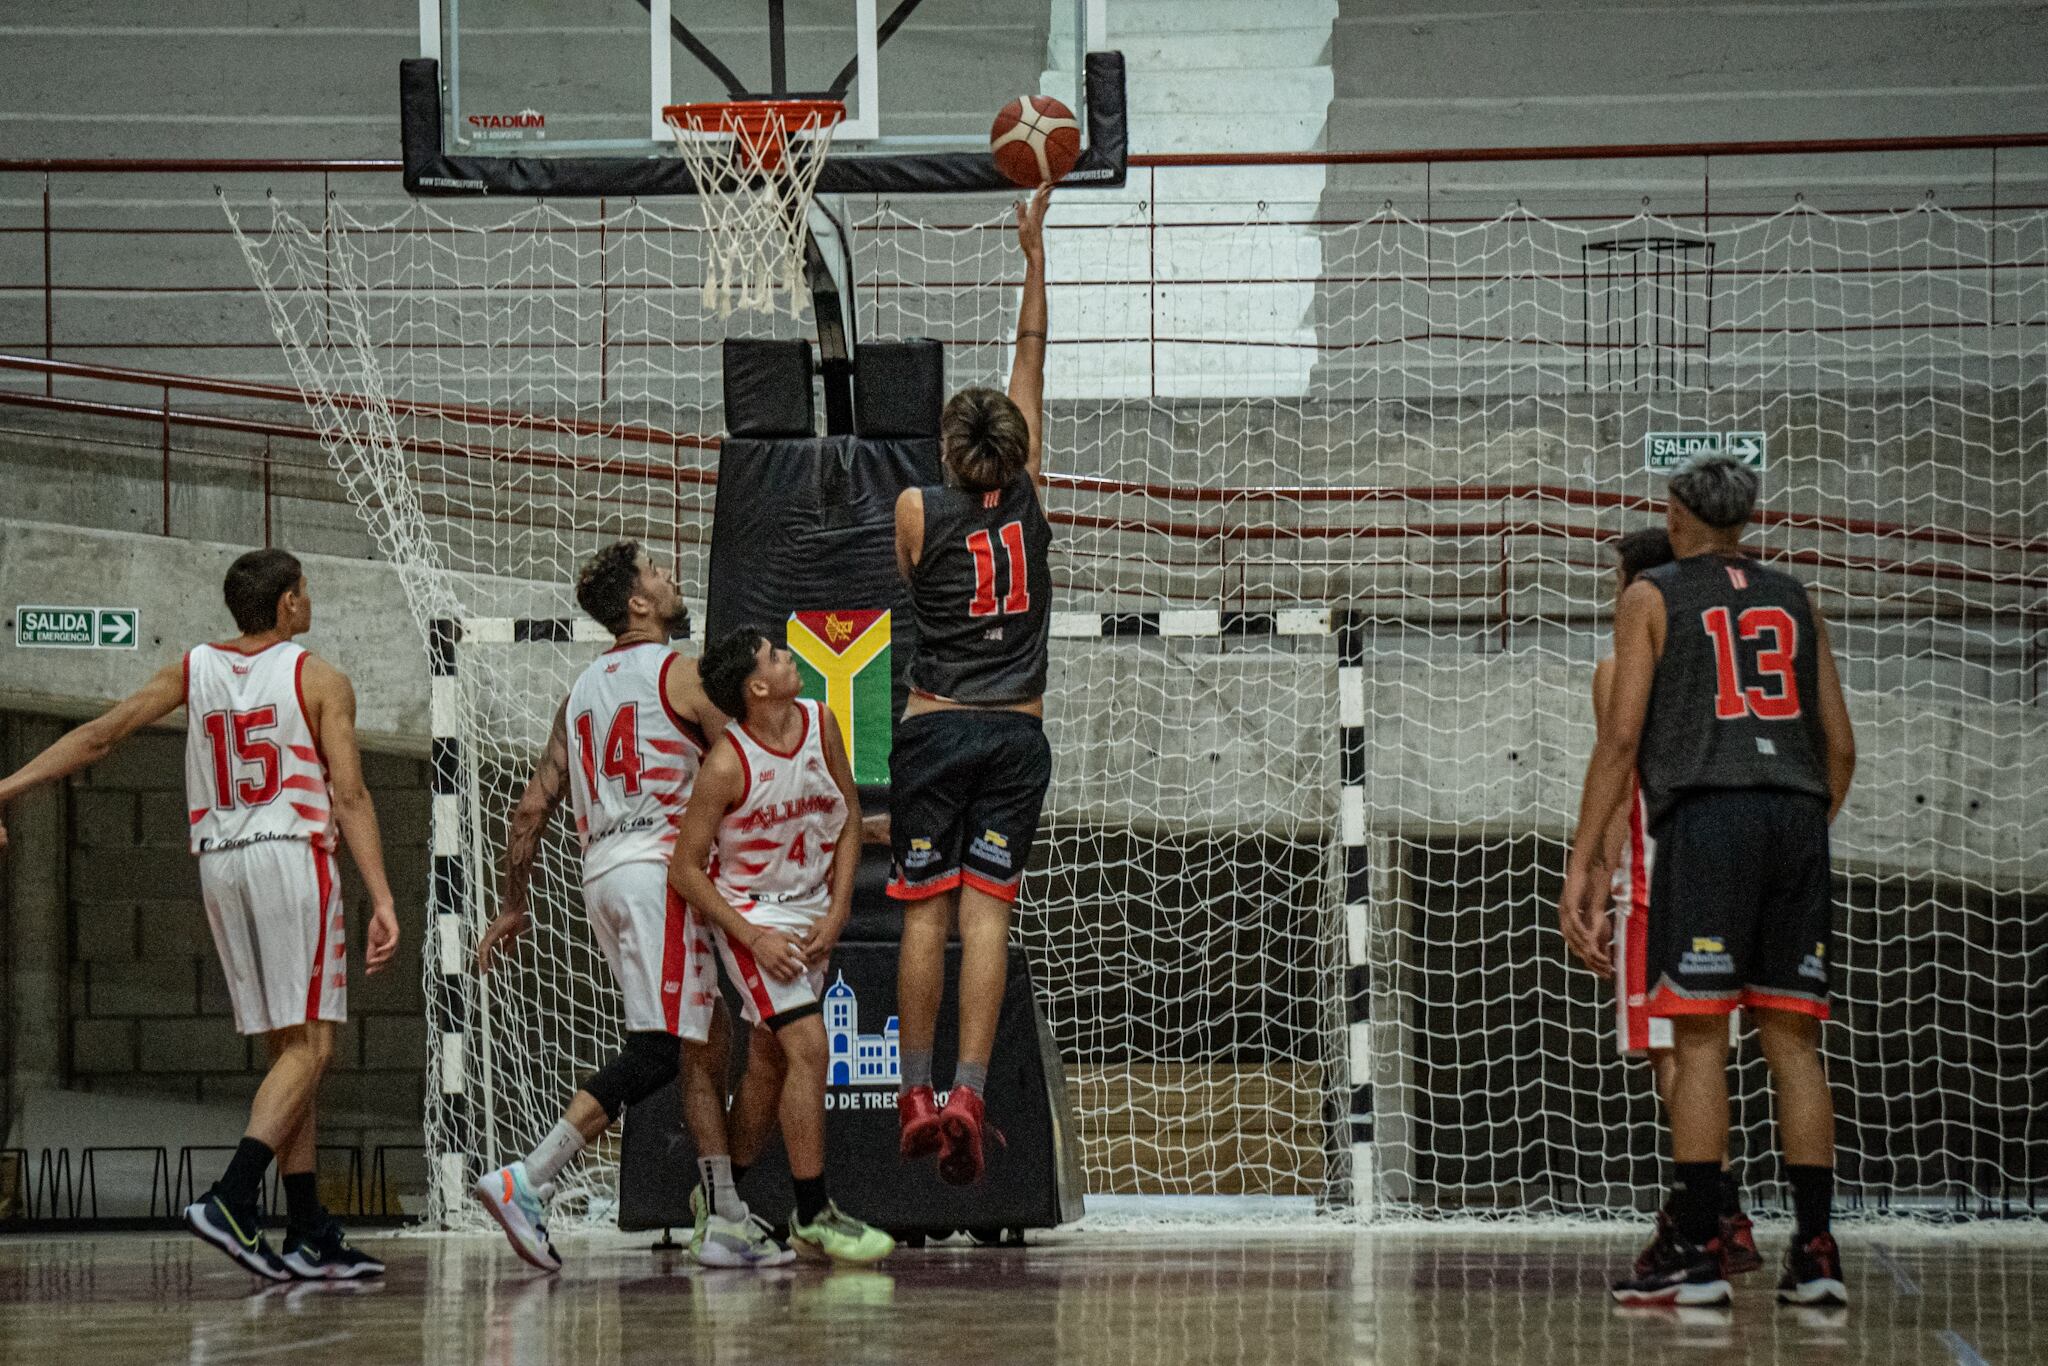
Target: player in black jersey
(1727, 709)
(970, 764)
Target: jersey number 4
(232, 735)
(621, 750)
(1732, 700)
(983, 548)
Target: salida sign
(527, 123)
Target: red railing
(51, 288)
(164, 420)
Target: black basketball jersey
(982, 594)
(1735, 701)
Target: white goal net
(1332, 503)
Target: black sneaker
(1665, 1230)
(1813, 1273)
(1672, 1271)
(235, 1232)
(325, 1255)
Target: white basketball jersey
(253, 770)
(632, 761)
(776, 845)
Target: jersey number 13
(1732, 698)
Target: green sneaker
(700, 1214)
(840, 1237)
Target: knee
(703, 1069)
(648, 1062)
(1699, 1041)
(1788, 1039)
(803, 1044)
(764, 1052)
(312, 1045)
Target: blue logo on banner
(854, 1058)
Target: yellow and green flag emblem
(844, 660)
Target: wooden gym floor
(1178, 1299)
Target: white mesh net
(1298, 889)
(756, 169)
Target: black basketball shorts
(1741, 905)
(965, 791)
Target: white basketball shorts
(275, 909)
(763, 999)
(659, 953)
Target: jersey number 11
(983, 549)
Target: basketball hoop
(756, 165)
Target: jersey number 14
(621, 750)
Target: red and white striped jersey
(632, 761)
(776, 844)
(253, 770)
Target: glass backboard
(589, 77)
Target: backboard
(584, 78)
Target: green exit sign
(78, 628)
(1664, 451)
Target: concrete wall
(137, 1041)
(360, 623)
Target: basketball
(1036, 140)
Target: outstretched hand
(1031, 223)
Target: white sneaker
(507, 1197)
(741, 1242)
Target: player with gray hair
(1726, 713)
(1718, 489)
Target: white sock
(554, 1152)
(718, 1182)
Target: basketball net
(756, 165)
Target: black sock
(242, 1182)
(303, 1211)
(1813, 1193)
(1696, 1201)
(1731, 1193)
(810, 1199)
(739, 1172)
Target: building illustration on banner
(854, 1058)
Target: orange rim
(763, 127)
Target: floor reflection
(1183, 1298)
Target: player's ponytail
(984, 439)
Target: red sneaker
(917, 1119)
(1738, 1245)
(960, 1137)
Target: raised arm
(909, 531)
(331, 699)
(1027, 371)
(845, 854)
(721, 783)
(544, 792)
(1834, 720)
(84, 746)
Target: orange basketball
(1036, 140)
